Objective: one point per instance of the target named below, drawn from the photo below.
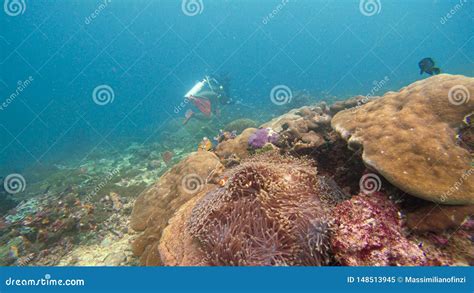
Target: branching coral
(268, 213)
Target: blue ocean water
(149, 53)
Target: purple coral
(263, 136)
(268, 213)
(368, 231)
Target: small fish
(428, 65)
(205, 145)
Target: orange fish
(205, 145)
(223, 181)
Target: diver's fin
(186, 119)
(436, 70)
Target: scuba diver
(207, 95)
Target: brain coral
(410, 137)
(269, 212)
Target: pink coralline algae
(263, 136)
(368, 232)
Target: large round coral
(269, 212)
(410, 137)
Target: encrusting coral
(240, 125)
(302, 130)
(409, 137)
(177, 247)
(269, 212)
(157, 204)
(237, 146)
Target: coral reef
(177, 247)
(269, 212)
(155, 206)
(302, 129)
(261, 137)
(368, 232)
(299, 99)
(42, 222)
(240, 125)
(225, 135)
(409, 138)
(237, 147)
(69, 207)
(111, 248)
(285, 193)
(353, 102)
(453, 248)
(438, 218)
